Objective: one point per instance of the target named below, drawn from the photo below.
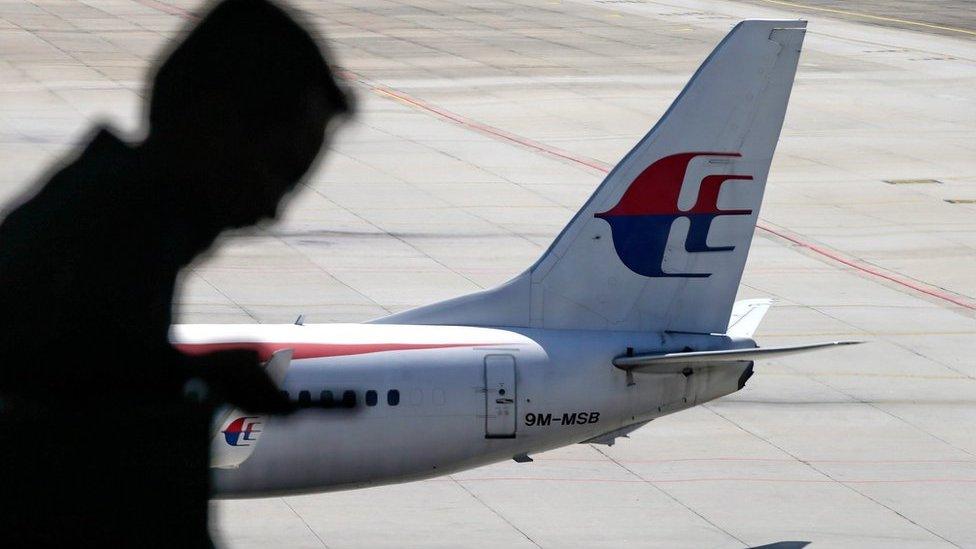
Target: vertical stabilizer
(661, 244)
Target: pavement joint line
(169, 8)
(884, 333)
(869, 16)
(860, 265)
(484, 128)
(873, 375)
(199, 274)
(669, 495)
(320, 268)
(654, 481)
(72, 55)
(448, 206)
(878, 405)
(738, 401)
(841, 482)
(399, 237)
(886, 45)
(395, 236)
(549, 150)
(496, 512)
(513, 13)
(893, 341)
(307, 525)
(855, 40)
(762, 460)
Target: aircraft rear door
(500, 398)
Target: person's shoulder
(103, 140)
(101, 156)
(104, 157)
(82, 190)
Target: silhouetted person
(100, 442)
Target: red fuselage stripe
(313, 350)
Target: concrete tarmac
(482, 128)
(947, 17)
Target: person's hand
(236, 376)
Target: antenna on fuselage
(300, 321)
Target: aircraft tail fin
(662, 242)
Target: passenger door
(500, 396)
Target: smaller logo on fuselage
(641, 221)
(242, 431)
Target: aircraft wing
(676, 362)
(236, 433)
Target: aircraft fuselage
(448, 398)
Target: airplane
(630, 315)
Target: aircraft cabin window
(370, 398)
(327, 399)
(393, 397)
(349, 399)
(304, 399)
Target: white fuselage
(463, 397)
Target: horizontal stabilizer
(674, 362)
(746, 317)
(277, 366)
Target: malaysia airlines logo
(241, 431)
(641, 221)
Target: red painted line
(314, 350)
(493, 131)
(548, 150)
(871, 270)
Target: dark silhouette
(102, 442)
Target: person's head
(243, 104)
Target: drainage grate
(913, 181)
(961, 200)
